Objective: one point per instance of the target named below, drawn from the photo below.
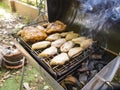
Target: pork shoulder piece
(86, 43)
(66, 46)
(73, 52)
(53, 37)
(32, 34)
(56, 26)
(78, 40)
(41, 45)
(64, 34)
(70, 36)
(58, 43)
(60, 59)
(49, 52)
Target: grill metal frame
(58, 72)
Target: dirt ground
(10, 79)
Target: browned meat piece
(53, 37)
(60, 59)
(49, 52)
(32, 34)
(86, 43)
(56, 26)
(67, 46)
(71, 36)
(40, 45)
(73, 52)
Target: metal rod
(106, 82)
(23, 69)
(110, 51)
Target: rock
(26, 85)
(46, 87)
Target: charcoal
(84, 69)
(83, 77)
(99, 66)
(91, 65)
(96, 56)
(92, 74)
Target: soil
(10, 79)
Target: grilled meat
(67, 46)
(53, 37)
(32, 34)
(73, 52)
(64, 34)
(58, 43)
(40, 27)
(86, 43)
(60, 59)
(71, 80)
(78, 40)
(71, 35)
(40, 45)
(48, 52)
(56, 26)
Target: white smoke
(99, 14)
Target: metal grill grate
(58, 70)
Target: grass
(31, 76)
(31, 2)
(4, 6)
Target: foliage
(31, 76)
(3, 5)
(32, 2)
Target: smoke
(99, 14)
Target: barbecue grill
(58, 10)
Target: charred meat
(32, 34)
(56, 26)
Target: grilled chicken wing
(70, 36)
(67, 46)
(40, 45)
(58, 43)
(60, 59)
(48, 52)
(86, 43)
(73, 52)
(56, 26)
(32, 34)
(53, 37)
(78, 40)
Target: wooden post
(36, 2)
(12, 5)
(27, 1)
